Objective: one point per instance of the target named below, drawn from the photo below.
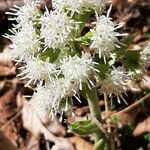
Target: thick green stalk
(95, 111)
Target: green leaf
(147, 137)
(101, 145)
(81, 18)
(146, 35)
(50, 55)
(132, 55)
(84, 127)
(131, 60)
(84, 39)
(74, 49)
(115, 119)
(101, 66)
(125, 43)
(66, 102)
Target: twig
(47, 145)
(106, 102)
(134, 105)
(12, 119)
(100, 126)
(107, 135)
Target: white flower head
(145, 54)
(37, 70)
(26, 13)
(63, 88)
(41, 100)
(145, 57)
(96, 5)
(79, 6)
(48, 99)
(104, 37)
(70, 5)
(115, 83)
(25, 42)
(78, 69)
(56, 29)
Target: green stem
(106, 102)
(95, 111)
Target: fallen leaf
(31, 144)
(80, 143)
(10, 132)
(5, 144)
(33, 123)
(56, 128)
(30, 120)
(7, 105)
(6, 66)
(142, 127)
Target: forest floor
(21, 126)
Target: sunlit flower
(78, 69)
(25, 42)
(96, 5)
(37, 70)
(41, 100)
(79, 6)
(70, 5)
(145, 55)
(104, 37)
(54, 98)
(115, 83)
(26, 13)
(56, 29)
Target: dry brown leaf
(7, 4)
(82, 111)
(125, 118)
(7, 105)
(10, 132)
(145, 83)
(34, 124)
(5, 143)
(56, 128)
(6, 71)
(137, 86)
(142, 127)
(80, 143)
(5, 58)
(6, 66)
(30, 120)
(32, 144)
(62, 144)
(2, 83)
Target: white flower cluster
(26, 13)
(25, 42)
(25, 39)
(145, 55)
(43, 40)
(78, 69)
(104, 36)
(36, 70)
(79, 6)
(48, 99)
(56, 29)
(115, 83)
